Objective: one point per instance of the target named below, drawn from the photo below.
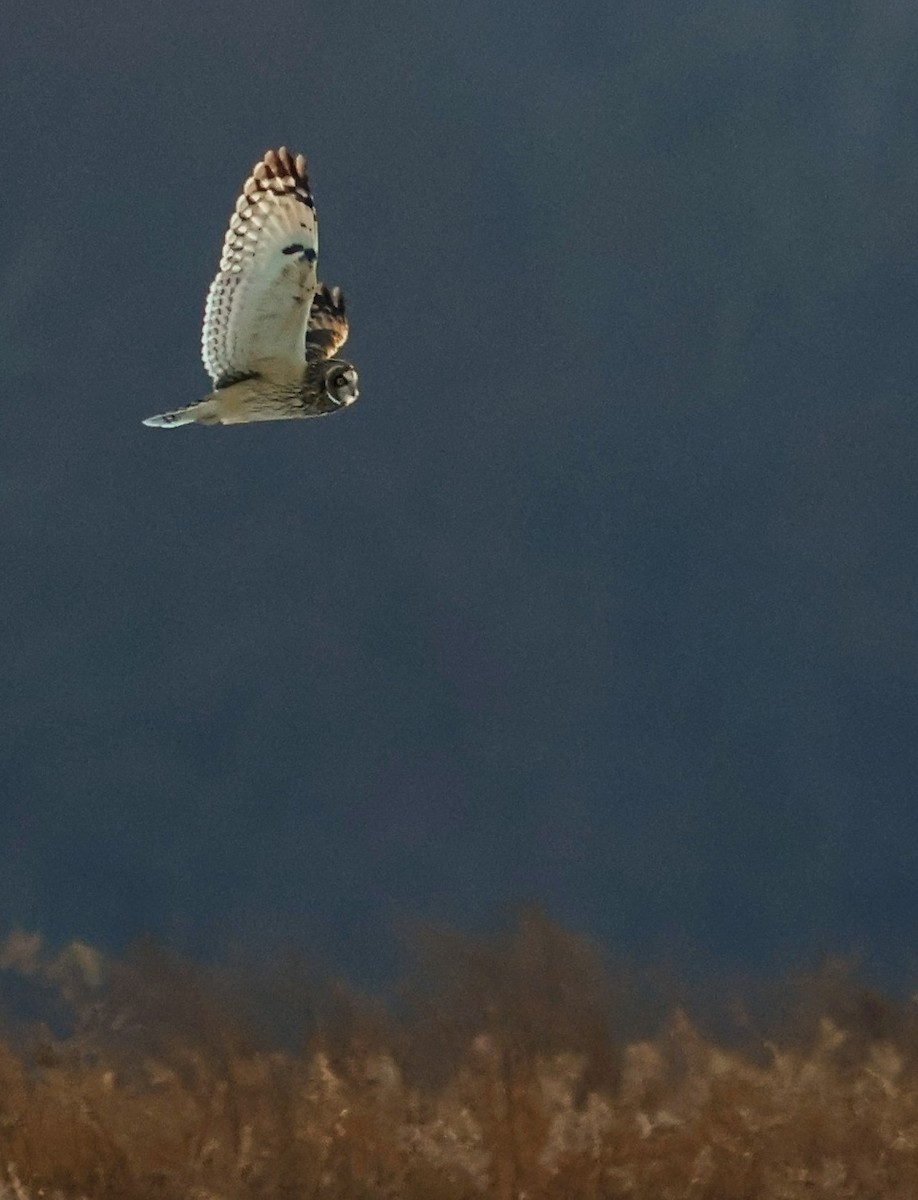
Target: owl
(271, 330)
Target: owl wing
(258, 304)
(327, 330)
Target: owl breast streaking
(271, 330)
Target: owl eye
(340, 380)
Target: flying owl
(271, 330)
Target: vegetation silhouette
(500, 1069)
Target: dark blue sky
(604, 593)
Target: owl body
(274, 394)
(271, 331)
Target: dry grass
(502, 1076)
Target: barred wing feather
(327, 330)
(258, 305)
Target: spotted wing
(258, 305)
(327, 330)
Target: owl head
(339, 380)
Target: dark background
(602, 596)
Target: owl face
(340, 382)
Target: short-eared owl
(271, 331)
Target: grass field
(508, 1067)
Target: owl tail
(201, 413)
